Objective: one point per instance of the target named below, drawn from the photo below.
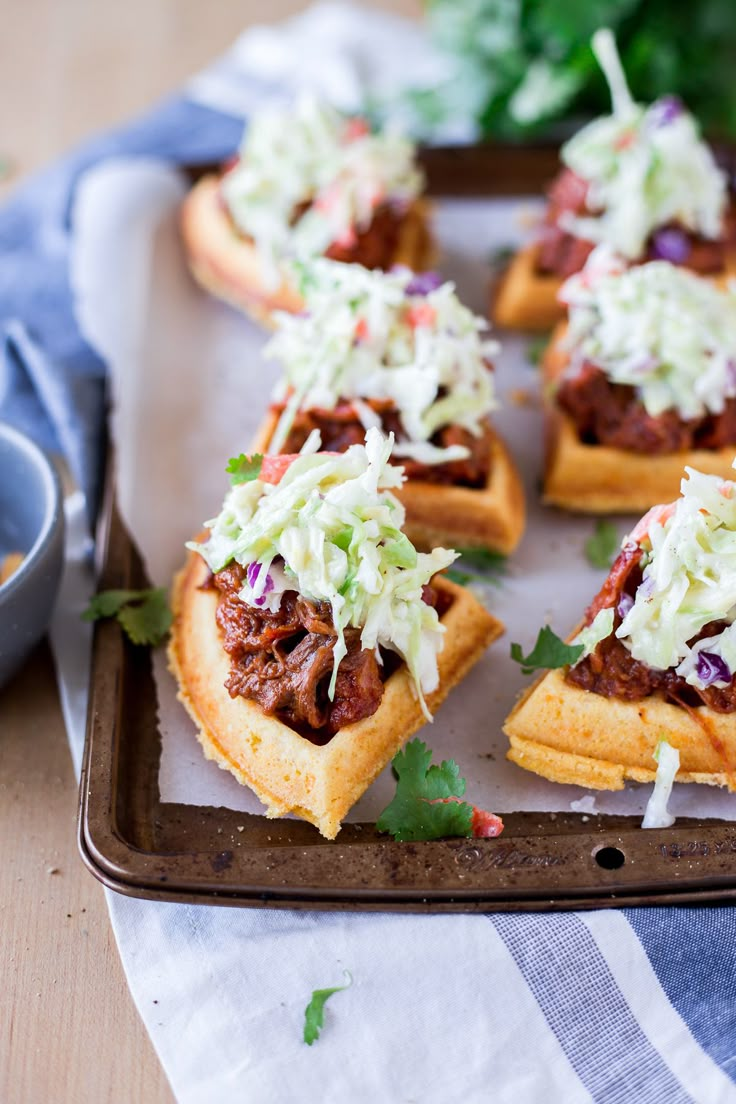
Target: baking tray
(142, 847)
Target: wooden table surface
(69, 1031)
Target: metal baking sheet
(140, 845)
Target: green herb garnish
(460, 577)
(244, 469)
(535, 349)
(314, 1013)
(489, 566)
(420, 809)
(499, 257)
(602, 546)
(144, 614)
(548, 652)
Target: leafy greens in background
(522, 66)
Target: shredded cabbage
(590, 637)
(657, 815)
(311, 154)
(366, 336)
(334, 528)
(645, 167)
(658, 328)
(689, 580)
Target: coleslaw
(310, 156)
(391, 337)
(330, 529)
(645, 167)
(688, 582)
(655, 327)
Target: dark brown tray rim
(142, 848)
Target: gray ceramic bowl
(31, 522)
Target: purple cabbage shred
(666, 110)
(712, 668)
(625, 603)
(646, 587)
(671, 244)
(731, 376)
(252, 574)
(422, 283)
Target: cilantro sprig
(314, 1013)
(420, 809)
(601, 547)
(478, 565)
(144, 615)
(462, 578)
(244, 469)
(548, 652)
(499, 258)
(536, 348)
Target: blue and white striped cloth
(628, 1006)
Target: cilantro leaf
(482, 561)
(314, 1013)
(108, 602)
(499, 257)
(147, 622)
(420, 809)
(244, 469)
(535, 349)
(548, 652)
(143, 614)
(601, 547)
(460, 577)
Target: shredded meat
(373, 247)
(284, 660)
(563, 254)
(613, 672)
(607, 413)
(340, 428)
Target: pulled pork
(562, 254)
(607, 413)
(340, 428)
(284, 661)
(373, 247)
(613, 672)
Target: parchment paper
(190, 387)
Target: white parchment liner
(190, 386)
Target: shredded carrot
(422, 314)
